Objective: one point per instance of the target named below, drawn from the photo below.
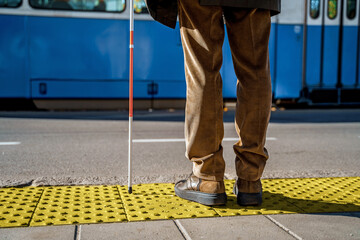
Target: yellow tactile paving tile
(314, 195)
(39, 206)
(17, 205)
(79, 204)
(350, 185)
(20, 195)
(160, 203)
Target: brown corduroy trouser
(202, 35)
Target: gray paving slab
(131, 230)
(322, 226)
(38, 233)
(242, 227)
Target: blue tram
(78, 49)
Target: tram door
(332, 46)
(350, 44)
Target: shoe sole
(249, 199)
(209, 199)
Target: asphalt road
(62, 148)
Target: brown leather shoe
(201, 191)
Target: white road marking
(183, 140)
(9, 143)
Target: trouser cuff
(210, 167)
(249, 186)
(209, 177)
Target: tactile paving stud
(17, 205)
(79, 204)
(140, 205)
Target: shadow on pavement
(278, 203)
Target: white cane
(131, 48)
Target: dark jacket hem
(169, 22)
(273, 6)
(165, 12)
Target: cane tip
(130, 190)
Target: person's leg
(248, 32)
(202, 35)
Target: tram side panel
(88, 57)
(289, 45)
(78, 57)
(158, 60)
(13, 57)
(227, 71)
(272, 50)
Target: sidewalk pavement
(287, 226)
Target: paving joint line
(122, 203)
(181, 229)
(214, 209)
(77, 232)
(293, 204)
(288, 231)
(32, 215)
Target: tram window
(80, 5)
(351, 9)
(314, 8)
(140, 6)
(10, 3)
(332, 8)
